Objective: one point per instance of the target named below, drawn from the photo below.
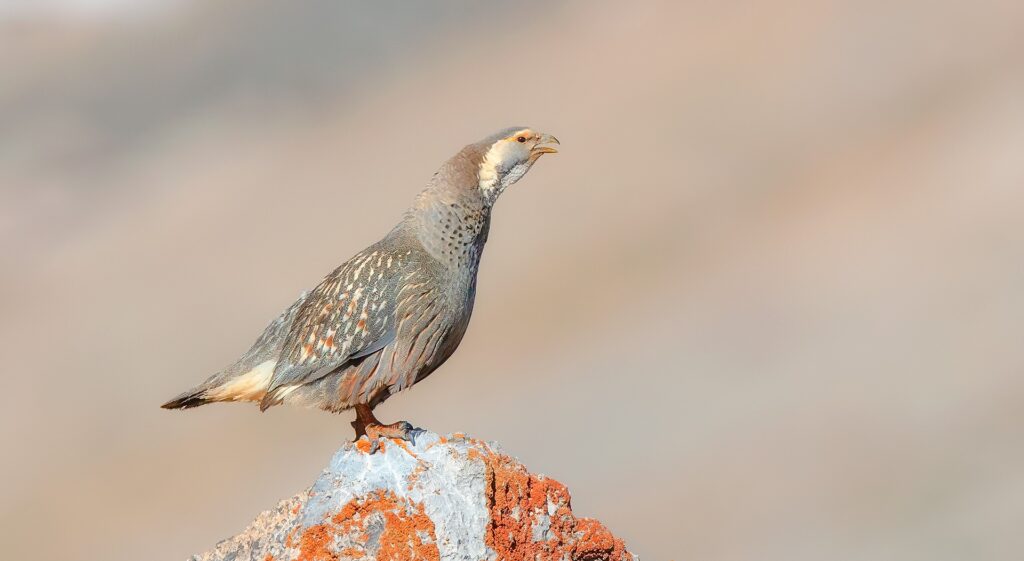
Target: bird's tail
(203, 393)
(240, 382)
(192, 398)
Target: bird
(394, 312)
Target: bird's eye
(521, 139)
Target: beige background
(765, 305)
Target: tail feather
(232, 384)
(187, 400)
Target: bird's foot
(402, 430)
(369, 426)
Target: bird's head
(505, 158)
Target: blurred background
(765, 305)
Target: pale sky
(101, 9)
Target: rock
(442, 498)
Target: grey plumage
(389, 316)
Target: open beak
(544, 139)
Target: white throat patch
(490, 168)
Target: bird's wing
(349, 315)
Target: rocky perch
(442, 498)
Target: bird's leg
(367, 424)
(364, 417)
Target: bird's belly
(448, 337)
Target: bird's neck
(451, 226)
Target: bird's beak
(544, 139)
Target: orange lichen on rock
(594, 541)
(289, 539)
(532, 520)
(352, 553)
(403, 532)
(315, 544)
(401, 444)
(414, 476)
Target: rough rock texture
(443, 498)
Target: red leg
(364, 418)
(367, 424)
